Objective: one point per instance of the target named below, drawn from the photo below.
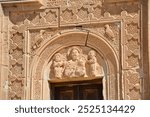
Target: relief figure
(75, 67)
(74, 63)
(58, 65)
(109, 32)
(94, 68)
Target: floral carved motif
(133, 60)
(67, 15)
(16, 82)
(132, 84)
(132, 56)
(83, 13)
(97, 11)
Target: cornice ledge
(119, 1)
(23, 2)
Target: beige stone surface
(111, 35)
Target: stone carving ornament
(58, 65)
(109, 32)
(95, 68)
(75, 64)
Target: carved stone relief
(37, 39)
(16, 81)
(34, 18)
(72, 3)
(132, 55)
(111, 33)
(121, 29)
(21, 21)
(75, 63)
(132, 85)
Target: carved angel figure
(95, 69)
(58, 65)
(75, 67)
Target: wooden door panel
(91, 92)
(64, 93)
(79, 92)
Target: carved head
(106, 26)
(91, 54)
(57, 57)
(74, 53)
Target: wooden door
(90, 92)
(78, 92)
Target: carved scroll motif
(76, 64)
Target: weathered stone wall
(36, 31)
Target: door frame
(73, 82)
(40, 67)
